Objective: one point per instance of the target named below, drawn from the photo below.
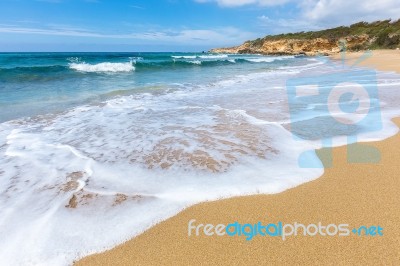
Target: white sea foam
(135, 58)
(74, 59)
(115, 169)
(196, 62)
(219, 56)
(184, 56)
(200, 56)
(103, 67)
(268, 59)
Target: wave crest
(214, 56)
(195, 62)
(268, 59)
(103, 67)
(184, 56)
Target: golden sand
(385, 60)
(356, 194)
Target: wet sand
(354, 194)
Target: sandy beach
(354, 194)
(384, 60)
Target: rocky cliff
(296, 46)
(359, 36)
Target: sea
(96, 148)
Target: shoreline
(356, 194)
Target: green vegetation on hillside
(383, 34)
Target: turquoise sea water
(37, 83)
(95, 148)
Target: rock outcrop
(298, 46)
(383, 34)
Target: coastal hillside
(359, 36)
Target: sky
(170, 25)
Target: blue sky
(169, 25)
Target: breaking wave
(103, 67)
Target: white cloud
(282, 25)
(349, 11)
(50, 1)
(137, 7)
(322, 14)
(47, 31)
(314, 14)
(218, 36)
(236, 3)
